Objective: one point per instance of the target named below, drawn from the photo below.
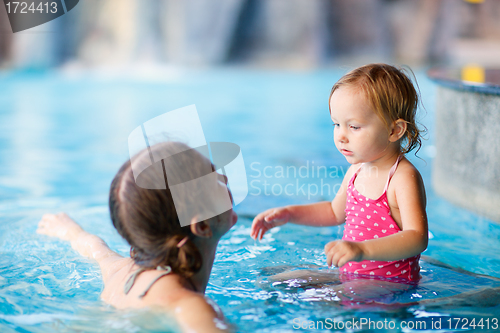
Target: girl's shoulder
(405, 167)
(406, 174)
(351, 171)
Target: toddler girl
(382, 197)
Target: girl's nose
(339, 135)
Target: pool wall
(467, 164)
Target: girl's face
(359, 134)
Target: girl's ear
(201, 229)
(398, 130)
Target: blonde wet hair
(391, 94)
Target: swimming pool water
(63, 136)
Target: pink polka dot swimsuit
(370, 219)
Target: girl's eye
(335, 124)
(354, 127)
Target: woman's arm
(412, 240)
(88, 245)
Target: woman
(170, 264)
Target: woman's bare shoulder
(191, 309)
(170, 292)
(167, 290)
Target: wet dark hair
(147, 219)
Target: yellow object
(473, 73)
(475, 1)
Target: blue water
(63, 136)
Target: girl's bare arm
(412, 240)
(319, 214)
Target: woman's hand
(59, 225)
(338, 253)
(267, 220)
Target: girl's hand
(267, 220)
(338, 253)
(59, 225)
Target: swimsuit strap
(391, 172)
(131, 280)
(356, 173)
(167, 270)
